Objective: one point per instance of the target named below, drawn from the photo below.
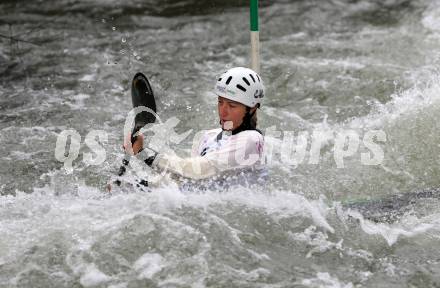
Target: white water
(330, 66)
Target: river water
(329, 66)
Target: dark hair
(253, 122)
(250, 119)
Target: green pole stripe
(254, 15)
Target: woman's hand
(137, 145)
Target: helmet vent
(229, 80)
(241, 88)
(247, 82)
(258, 78)
(219, 79)
(253, 79)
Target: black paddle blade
(142, 95)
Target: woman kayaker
(234, 147)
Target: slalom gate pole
(255, 37)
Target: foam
(407, 228)
(278, 204)
(93, 277)
(88, 78)
(408, 102)
(318, 240)
(148, 265)
(324, 280)
(78, 101)
(431, 17)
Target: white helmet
(242, 85)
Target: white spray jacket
(216, 152)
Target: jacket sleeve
(244, 151)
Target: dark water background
(328, 65)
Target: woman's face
(231, 113)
